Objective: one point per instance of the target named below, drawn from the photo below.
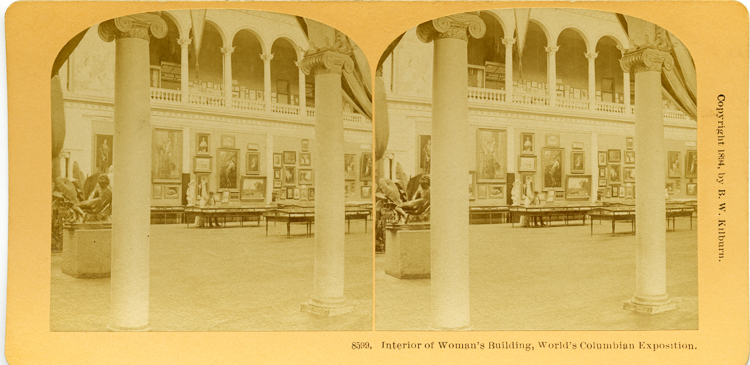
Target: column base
(649, 305)
(327, 307)
(113, 328)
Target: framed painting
(253, 188)
(628, 174)
(553, 167)
(305, 177)
(202, 144)
(103, 153)
(577, 145)
(527, 143)
(227, 166)
(365, 171)
(577, 162)
(350, 188)
(615, 191)
(424, 154)
(677, 184)
(614, 174)
(670, 187)
(305, 145)
(602, 172)
(602, 183)
(578, 187)
(528, 185)
(491, 155)
(280, 194)
(622, 191)
(350, 166)
(202, 163)
(613, 156)
(366, 192)
(481, 191)
(673, 158)
(497, 191)
(602, 158)
(290, 157)
(629, 192)
(172, 192)
(277, 160)
(629, 143)
(166, 160)
(303, 194)
(253, 163)
(691, 189)
(277, 174)
(227, 141)
(290, 193)
(296, 193)
(691, 164)
(158, 191)
(305, 159)
(526, 163)
(224, 197)
(290, 175)
(630, 157)
(277, 183)
(608, 193)
(310, 194)
(552, 140)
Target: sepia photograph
(159, 110)
(534, 250)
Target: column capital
(457, 26)
(591, 56)
(509, 41)
(227, 50)
(326, 61)
(133, 26)
(552, 49)
(646, 59)
(184, 42)
(266, 57)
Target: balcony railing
(537, 100)
(167, 95)
(285, 109)
(252, 105)
(207, 100)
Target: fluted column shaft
(184, 69)
(552, 74)
(592, 79)
(227, 51)
(267, 79)
(508, 42)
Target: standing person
(212, 220)
(538, 220)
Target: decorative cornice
(509, 41)
(456, 26)
(133, 26)
(646, 59)
(184, 42)
(326, 61)
(552, 49)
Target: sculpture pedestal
(408, 251)
(87, 250)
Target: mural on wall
(166, 160)
(491, 155)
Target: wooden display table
(488, 211)
(227, 212)
(567, 211)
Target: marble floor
(226, 279)
(554, 278)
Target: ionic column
(592, 79)
(131, 197)
(651, 260)
(509, 42)
(327, 64)
(301, 92)
(552, 74)
(227, 51)
(184, 69)
(449, 209)
(267, 80)
(626, 91)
